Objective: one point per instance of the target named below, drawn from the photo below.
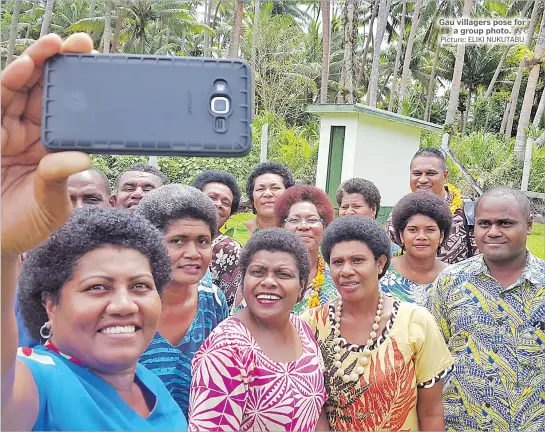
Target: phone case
(146, 105)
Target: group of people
(133, 308)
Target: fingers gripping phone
(147, 105)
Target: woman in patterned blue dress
(422, 222)
(192, 305)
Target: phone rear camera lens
(220, 105)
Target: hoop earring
(43, 329)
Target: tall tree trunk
(326, 47)
(457, 72)
(361, 71)
(46, 20)
(504, 118)
(497, 72)
(237, 29)
(372, 93)
(108, 27)
(118, 25)
(540, 109)
(255, 33)
(182, 41)
(92, 7)
(431, 87)
(527, 103)
(214, 22)
(398, 56)
(518, 80)
(207, 8)
(409, 54)
(453, 103)
(348, 75)
(13, 30)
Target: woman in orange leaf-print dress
(383, 359)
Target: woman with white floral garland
(383, 359)
(429, 175)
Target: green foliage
(490, 161)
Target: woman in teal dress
(422, 223)
(264, 186)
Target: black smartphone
(147, 105)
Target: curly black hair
(431, 152)
(220, 177)
(142, 167)
(429, 205)
(174, 202)
(268, 168)
(357, 228)
(51, 265)
(277, 240)
(366, 188)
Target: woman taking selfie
(383, 359)
(422, 223)
(99, 306)
(260, 369)
(265, 184)
(192, 307)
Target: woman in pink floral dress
(261, 369)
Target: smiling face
(189, 244)
(108, 311)
(427, 175)
(354, 270)
(133, 185)
(355, 204)
(222, 197)
(421, 237)
(267, 189)
(271, 285)
(87, 188)
(311, 230)
(501, 229)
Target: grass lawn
(536, 242)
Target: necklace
(359, 370)
(317, 282)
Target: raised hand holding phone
(35, 199)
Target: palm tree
(431, 86)
(348, 75)
(47, 17)
(372, 92)
(409, 51)
(118, 25)
(368, 41)
(106, 37)
(457, 72)
(398, 55)
(518, 80)
(92, 8)
(237, 29)
(13, 30)
(527, 104)
(326, 48)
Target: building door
(335, 162)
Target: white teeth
(268, 297)
(119, 329)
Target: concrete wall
(376, 149)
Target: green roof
(375, 112)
